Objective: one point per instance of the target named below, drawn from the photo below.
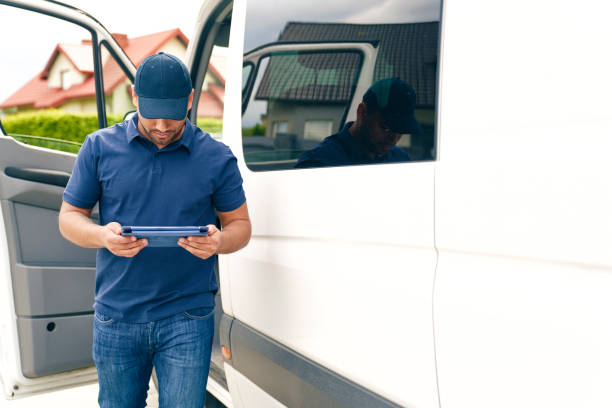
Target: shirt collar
(186, 139)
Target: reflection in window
(405, 36)
(280, 127)
(317, 129)
(291, 90)
(246, 72)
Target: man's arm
(235, 234)
(77, 227)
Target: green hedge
(42, 127)
(56, 124)
(210, 125)
(257, 130)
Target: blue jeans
(178, 346)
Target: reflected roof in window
(408, 51)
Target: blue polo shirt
(135, 183)
(341, 149)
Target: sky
(266, 21)
(27, 40)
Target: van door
(47, 288)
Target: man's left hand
(203, 247)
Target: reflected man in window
(384, 115)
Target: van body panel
(313, 283)
(523, 195)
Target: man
(154, 306)
(386, 112)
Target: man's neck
(356, 133)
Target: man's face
(161, 132)
(376, 134)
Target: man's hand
(203, 247)
(121, 246)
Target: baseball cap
(396, 100)
(163, 86)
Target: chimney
(122, 39)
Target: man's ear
(190, 100)
(134, 97)
(362, 109)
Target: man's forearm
(79, 229)
(235, 236)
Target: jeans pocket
(199, 313)
(103, 319)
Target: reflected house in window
(67, 81)
(308, 94)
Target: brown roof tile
(408, 51)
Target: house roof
(38, 94)
(408, 51)
(307, 77)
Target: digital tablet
(163, 236)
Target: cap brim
(155, 108)
(404, 125)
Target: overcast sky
(27, 40)
(266, 21)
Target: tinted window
(312, 65)
(286, 100)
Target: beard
(155, 135)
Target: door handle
(53, 177)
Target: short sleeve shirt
(136, 183)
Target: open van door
(47, 288)
(48, 284)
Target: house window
(280, 127)
(317, 129)
(66, 79)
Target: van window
(47, 87)
(308, 67)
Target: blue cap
(396, 101)
(163, 86)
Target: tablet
(163, 236)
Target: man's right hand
(118, 245)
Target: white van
(477, 274)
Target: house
(67, 82)
(307, 93)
